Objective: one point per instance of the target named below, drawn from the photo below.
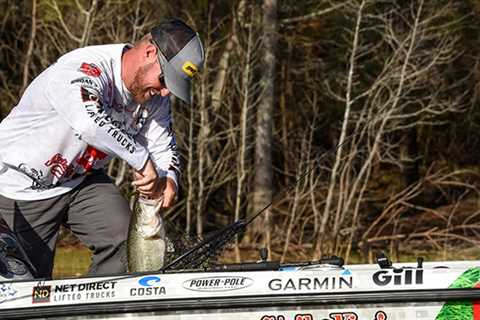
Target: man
(93, 104)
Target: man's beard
(138, 90)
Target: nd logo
(41, 294)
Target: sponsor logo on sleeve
(218, 283)
(59, 166)
(115, 128)
(85, 82)
(88, 94)
(39, 181)
(90, 69)
(90, 157)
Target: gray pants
(95, 211)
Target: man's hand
(169, 191)
(146, 179)
(149, 185)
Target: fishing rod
(200, 253)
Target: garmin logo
(311, 284)
(220, 283)
(398, 277)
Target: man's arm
(158, 136)
(81, 105)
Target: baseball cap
(180, 53)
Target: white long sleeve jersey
(74, 117)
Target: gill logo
(189, 68)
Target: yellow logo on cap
(189, 68)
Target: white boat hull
(434, 291)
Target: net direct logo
(41, 294)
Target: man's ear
(150, 52)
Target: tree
(263, 184)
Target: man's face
(148, 82)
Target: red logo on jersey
(89, 157)
(90, 69)
(59, 166)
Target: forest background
(358, 119)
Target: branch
(314, 14)
(30, 46)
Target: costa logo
(90, 69)
(220, 283)
(149, 281)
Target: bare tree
(418, 48)
(263, 184)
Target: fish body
(146, 243)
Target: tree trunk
(262, 194)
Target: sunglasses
(161, 77)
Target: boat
(326, 289)
(265, 290)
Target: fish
(146, 241)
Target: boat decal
(218, 283)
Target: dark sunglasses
(161, 77)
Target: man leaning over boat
(91, 105)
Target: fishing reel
(14, 263)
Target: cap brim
(175, 82)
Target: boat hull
(440, 291)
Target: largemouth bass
(146, 243)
